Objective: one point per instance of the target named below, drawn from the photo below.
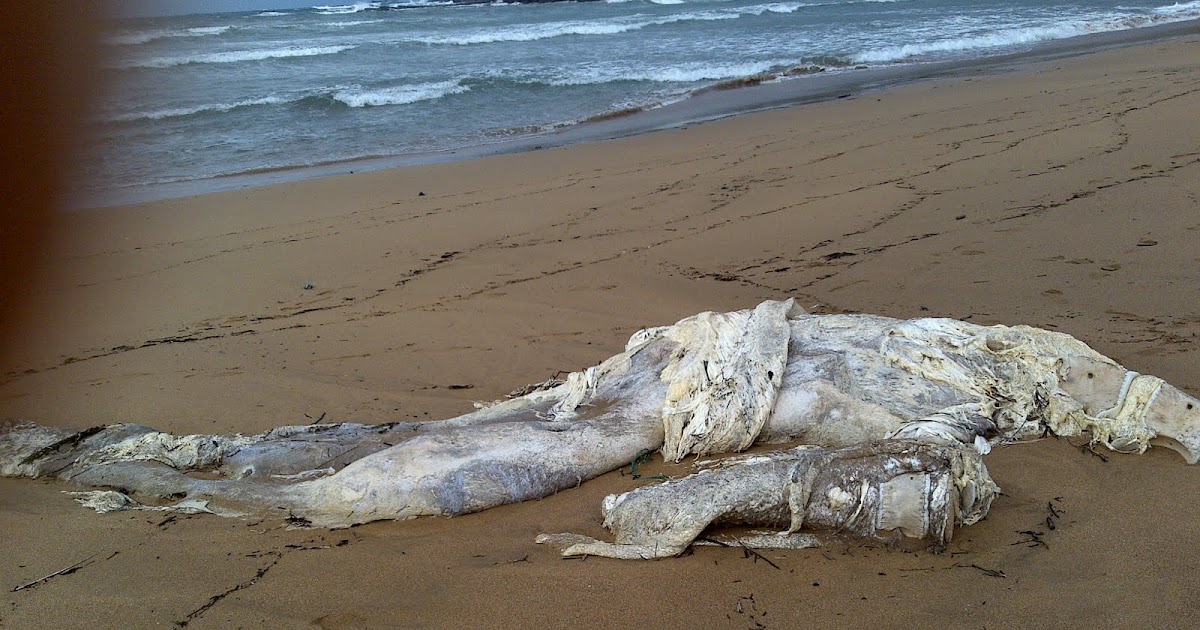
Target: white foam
(399, 95)
(534, 32)
(1184, 9)
(180, 112)
(270, 14)
(200, 31)
(342, 9)
(613, 26)
(685, 73)
(1025, 35)
(235, 56)
(777, 7)
(350, 23)
(992, 40)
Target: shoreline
(704, 105)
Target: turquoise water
(198, 97)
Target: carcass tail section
(891, 491)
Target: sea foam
(548, 30)
(683, 73)
(1179, 7)
(349, 23)
(1014, 37)
(398, 95)
(341, 9)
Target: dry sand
(1063, 195)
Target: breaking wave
(358, 7)
(351, 23)
(331, 97)
(778, 7)
(398, 95)
(992, 40)
(613, 26)
(342, 9)
(132, 38)
(1180, 6)
(534, 32)
(1180, 10)
(686, 73)
(235, 56)
(191, 111)
(1029, 35)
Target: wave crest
(343, 9)
(181, 112)
(354, 96)
(398, 95)
(133, 38)
(349, 23)
(687, 73)
(235, 56)
(1030, 35)
(534, 32)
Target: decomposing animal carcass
(896, 411)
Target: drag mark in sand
(185, 338)
(215, 599)
(205, 334)
(1027, 211)
(1121, 138)
(275, 555)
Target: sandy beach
(1062, 194)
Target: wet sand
(1061, 194)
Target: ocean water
(199, 97)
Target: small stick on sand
(748, 552)
(67, 571)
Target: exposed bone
(713, 383)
